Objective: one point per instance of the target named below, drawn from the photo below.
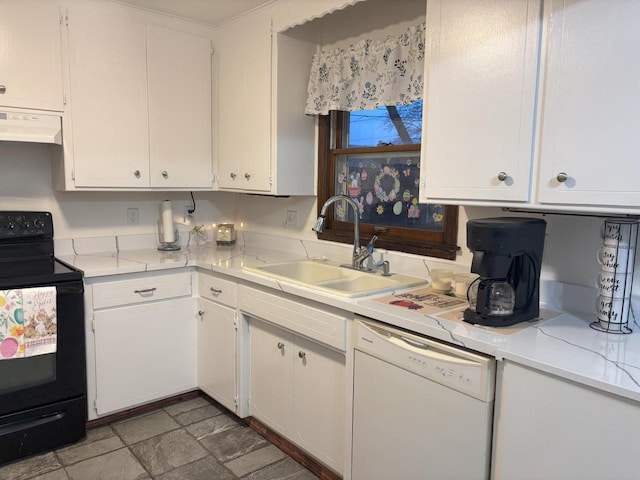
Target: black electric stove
(43, 401)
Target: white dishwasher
(422, 409)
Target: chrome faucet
(360, 254)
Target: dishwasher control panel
(467, 372)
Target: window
(373, 156)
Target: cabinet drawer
(313, 322)
(127, 292)
(217, 289)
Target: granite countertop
(562, 344)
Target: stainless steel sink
(333, 278)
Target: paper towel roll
(167, 222)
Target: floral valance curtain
(368, 74)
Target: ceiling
(213, 12)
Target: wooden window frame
(434, 244)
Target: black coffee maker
(507, 254)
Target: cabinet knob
(247, 176)
(136, 173)
(3, 89)
(280, 345)
(200, 313)
(165, 174)
(233, 175)
(562, 177)
(502, 176)
(302, 354)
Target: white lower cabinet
(552, 428)
(217, 352)
(297, 368)
(297, 388)
(144, 353)
(141, 342)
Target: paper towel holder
(165, 246)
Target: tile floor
(190, 440)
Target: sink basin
(333, 278)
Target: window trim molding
(437, 244)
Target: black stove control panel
(16, 224)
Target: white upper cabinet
(265, 142)
(140, 94)
(179, 73)
(243, 52)
(591, 104)
(30, 57)
(108, 93)
(480, 84)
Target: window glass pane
(401, 125)
(385, 187)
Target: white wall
(25, 184)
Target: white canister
(462, 281)
(620, 232)
(441, 280)
(613, 311)
(616, 258)
(615, 285)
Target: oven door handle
(30, 423)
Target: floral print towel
(28, 323)
(11, 324)
(41, 328)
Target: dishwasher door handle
(414, 343)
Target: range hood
(17, 126)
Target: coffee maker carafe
(507, 254)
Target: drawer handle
(562, 177)
(145, 290)
(502, 176)
(3, 89)
(280, 345)
(200, 313)
(165, 174)
(302, 354)
(217, 291)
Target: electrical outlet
(292, 218)
(133, 216)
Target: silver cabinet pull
(3, 89)
(502, 176)
(280, 345)
(165, 174)
(562, 177)
(136, 173)
(247, 176)
(233, 175)
(217, 291)
(145, 290)
(302, 354)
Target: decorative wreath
(387, 184)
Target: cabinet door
(179, 70)
(591, 104)
(30, 58)
(144, 353)
(217, 352)
(319, 401)
(270, 375)
(547, 427)
(244, 105)
(480, 85)
(108, 85)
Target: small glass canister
(225, 234)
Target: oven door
(44, 379)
